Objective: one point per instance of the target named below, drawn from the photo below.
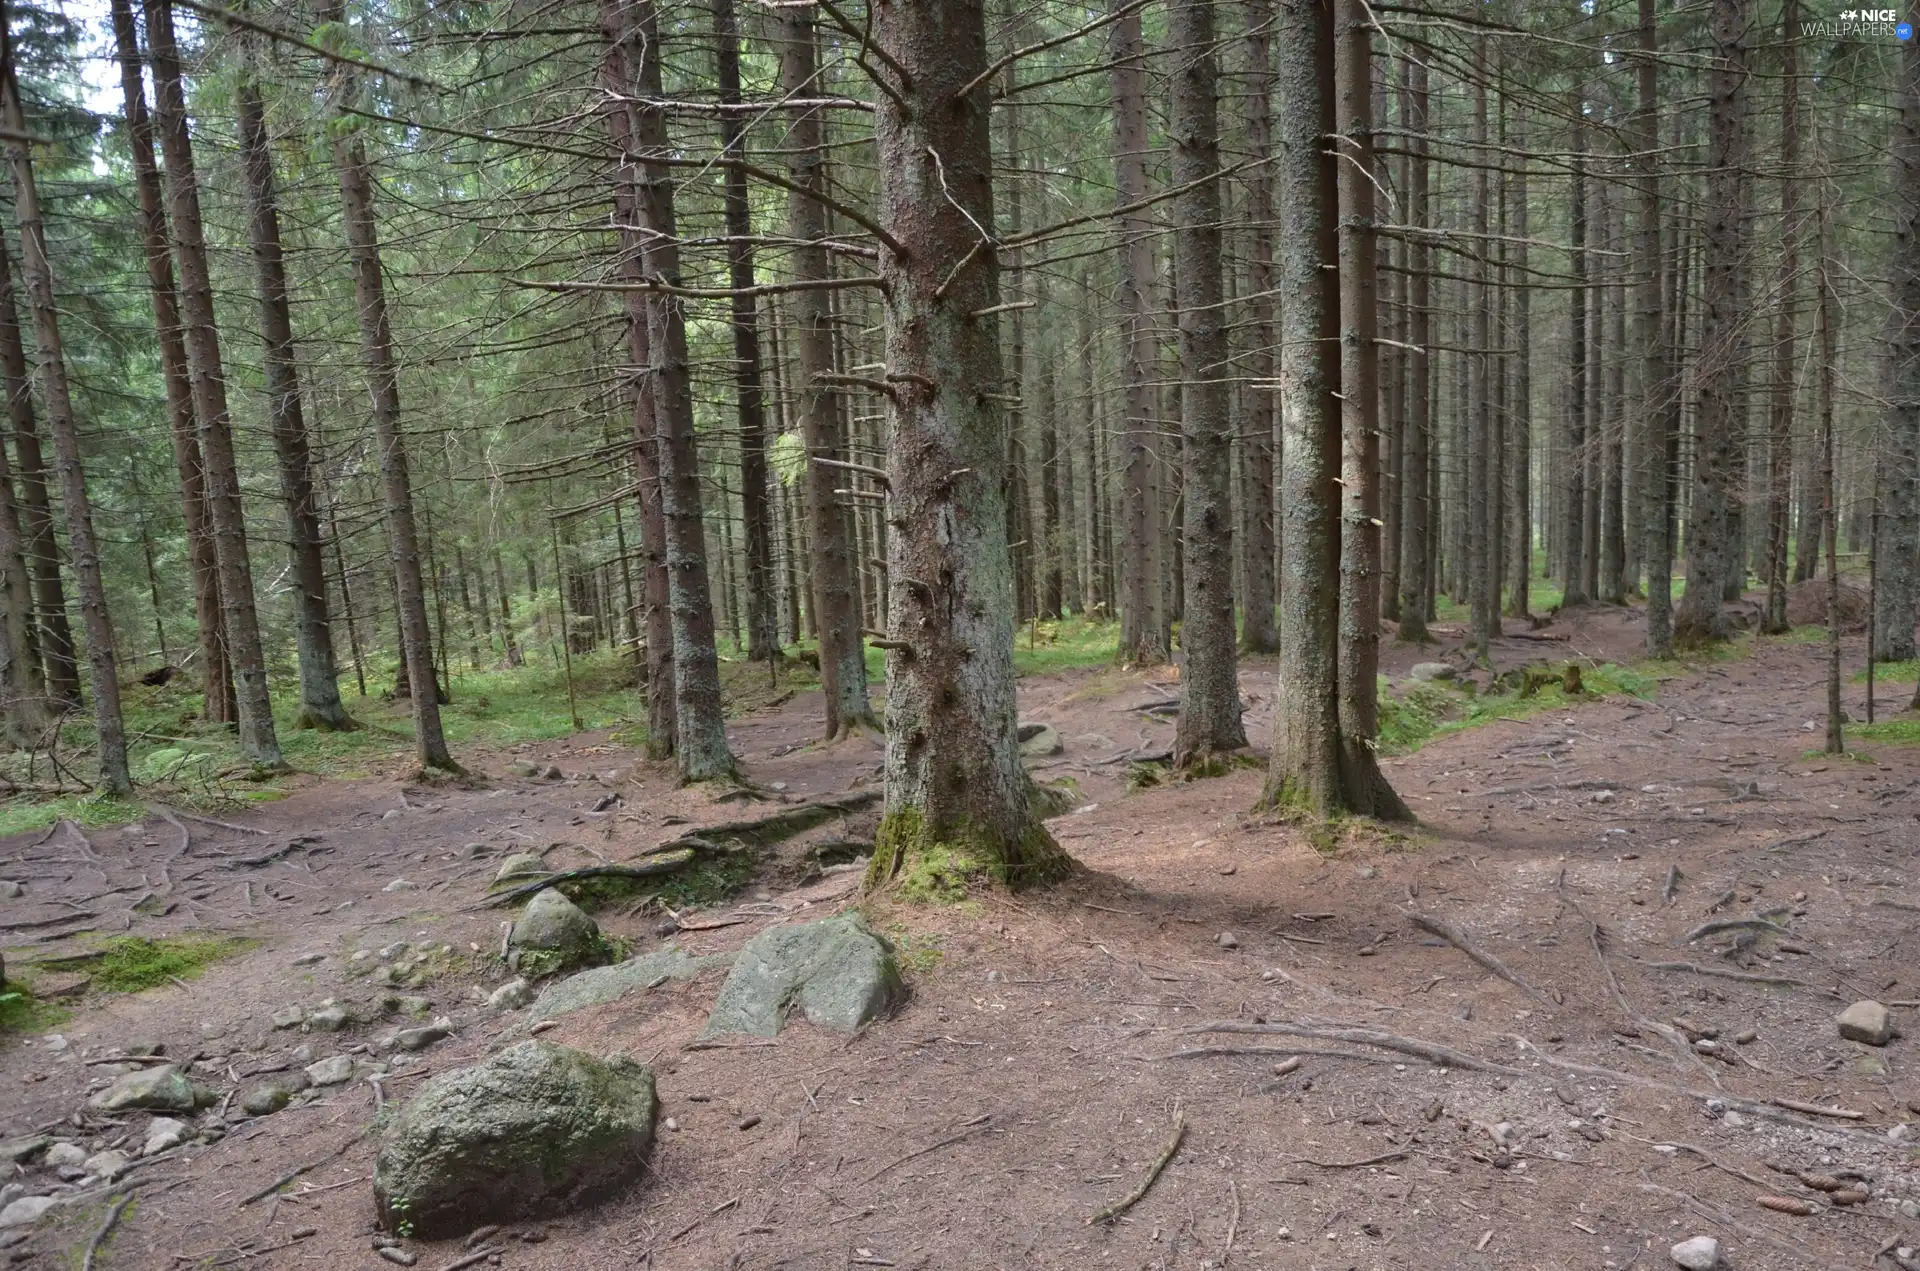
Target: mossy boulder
(838, 973)
(605, 984)
(558, 932)
(530, 1133)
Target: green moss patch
(133, 963)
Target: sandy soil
(1052, 1040)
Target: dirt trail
(1036, 1071)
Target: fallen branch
(1458, 939)
(974, 1127)
(1783, 981)
(478, 1256)
(1107, 1213)
(1208, 1052)
(1844, 1114)
(298, 1170)
(1381, 1159)
(663, 863)
(1430, 1051)
(1706, 929)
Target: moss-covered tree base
(913, 862)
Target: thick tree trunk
(1717, 419)
(1482, 469)
(259, 741)
(763, 643)
(1519, 427)
(1366, 787)
(1143, 621)
(835, 593)
(1209, 685)
(320, 705)
(1613, 534)
(1659, 395)
(383, 390)
(1258, 632)
(957, 798)
(216, 675)
(110, 738)
(1416, 510)
(1786, 335)
(1573, 534)
(1899, 591)
(54, 636)
(700, 736)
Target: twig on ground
(1107, 1213)
(296, 1172)
(478, 1256)
(718, 1209)
(973, 1127)
(1784, 981)
(1458, 939)
(1432, 1052)
(114, 1211)
(1794, 1105)
(1233, 1221)
(1706, 929)
(1207, 1052)
(1381, 1159)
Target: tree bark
(1483, 582)
(1899, 589)
(259, 741)
(1613, 536)
(320, 704)
(1209, 685)
(700, 735)
(1660, 399)
(1143, 623)
(110, 738)
(1785, 334)
(1258, 632)
(1519, 426)
(1573, 534)
(383, 390)
(216, 675)
(1415, 469)
(957, 799)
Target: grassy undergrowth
(1420, 712)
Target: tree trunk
(216, 676)
(1415, 453)
(1899, 590)
(763, 643)
(957, 798)
(1717, 420)
(1613, 537)
(1482, 468)
(383, 389)
(1785, 335)
(1830, 507)
(259, 741)
(1367, 791)
(1258, 633)
(835, 593)
(1519, 425)
(700, 734)
(109, 732)
(1573, 535)
(1143, 625)
(320, 705)
(1659, 394)
(1209, 685)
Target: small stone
(400, 1256)
(1716, 1108)
(331, 1017)
(412, 1004)
(1366, 872)
(1745, 1037)
(553, 773)
(476, 850)
(1427, 672)
(554, 924)
(511, 996)
(996, 977)
(272, 1095)
(1867, 1022)
(65, 1154)
(1039, 740)
(288, 1017)
(310, 959)
(671, 1123)
(1227, 940)
(1910, 1209)
(163, 1087)
(747, 1123)
(302, 1055)
(163, 1133)
(398, 884)
(107, 1165)
(1734, 1121)
(10, 890)
(524, 768)
(28, 1209)
(421, 1038)
(1228, 870)
(334, 1070)
(1902, 1133)
(1702, 1253)
(391, 814)
(521, 865)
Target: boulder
(531, 1131)
(553, 924)
(273, 1094)
(610, 983)
(1427, 672)
(837, 972)
(521, 865)
(1866, 1022)
(1039, 740)
(28, 1209)
(163, 1088)
(66, 1155)
(334, 1070)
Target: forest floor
(1052, 1039)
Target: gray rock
(1867, 1022)
(836, 971)
(521, 865)
(1227, 940)
(553, 773)
(527, 1133)
(1427, 672)
(1701, 1253)
(610, 983)
(310, 959)
(288, 1017)
(423, 1037)
(524, 768)
(398, 884)
(334, 1070)
(64, 1154)
(554, 924)
(399, 1257)
(1038, 740)
(18, 1151)
(273, 1094)
(163, 1133)
(512, 995)
(28, 1209)
(330, 1017)
(107, 1165)
(10, 890)
(411, 1004)
(162, 1088)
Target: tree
(956, 796)
(1258, 634)
(1660, 398)
(109, 732)
(1899, 591)
(1209, 683)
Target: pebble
(1701, 1253)
(671, 1123)
(302, 1055)
(398, 884)
(1745, 1037)
(747, 1123)
(10, 890)
(287, 1017)
(1227, 940)
(421, 1038)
